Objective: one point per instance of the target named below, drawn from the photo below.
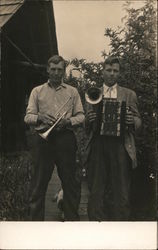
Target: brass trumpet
(94, 95)
(46, 133)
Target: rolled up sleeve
(32, 109)
(78, 116)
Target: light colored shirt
(48, 100)
(110, 92)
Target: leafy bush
(14, 183)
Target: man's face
(111, 73)
(56, 72)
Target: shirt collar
(112, 87)
(62, 85)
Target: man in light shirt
(47, 103)
(111, 158)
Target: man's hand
(46, 119)
(91, 116)
(129, 120)
(129, 117)
(63, 124)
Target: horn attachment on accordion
(93, 95)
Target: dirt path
(52, 213)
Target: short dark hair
(56, 59)
(111, 60)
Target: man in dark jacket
(111, 158)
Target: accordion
(113, 117)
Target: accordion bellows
(113, 117)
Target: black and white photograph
(78, 124)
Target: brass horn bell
(93, 95)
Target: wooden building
(28, 39)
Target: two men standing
(110, 159)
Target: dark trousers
(109, 180)
(59, 150)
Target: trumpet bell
(44, 135)
(93, 95)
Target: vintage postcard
(78, 124)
